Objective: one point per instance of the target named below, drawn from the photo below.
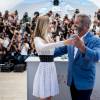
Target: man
(83, 56)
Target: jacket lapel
(71, 52)
(86, 40)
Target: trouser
(80, 94)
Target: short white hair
(84, 19)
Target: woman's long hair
(41, 28)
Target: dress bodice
(43, 48)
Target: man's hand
(79, 43)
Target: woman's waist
(46, 58)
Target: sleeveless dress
(45, 82)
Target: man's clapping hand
(79, 43)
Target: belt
(46, 58)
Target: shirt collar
(84, 35)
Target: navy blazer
(82, 68)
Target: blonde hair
(42, 27)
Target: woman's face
(49, 27)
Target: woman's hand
(69, 41)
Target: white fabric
(97, 29)
(25, 48)
(6, 42)
(45, 82)
(75, 51)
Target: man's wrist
(83, 49)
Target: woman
(45, 84)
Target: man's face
(78, 26)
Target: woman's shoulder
(38, 39)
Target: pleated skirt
(45, 82)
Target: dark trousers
(80, 94)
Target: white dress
(45, 83)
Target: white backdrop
(88, 6)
